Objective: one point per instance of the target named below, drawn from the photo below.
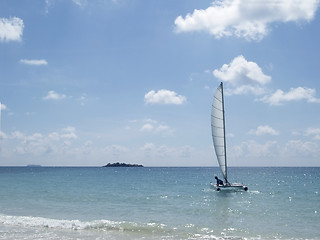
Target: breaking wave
(103, 225)
(119, 230)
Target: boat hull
(230, 187)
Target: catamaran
(219, 141)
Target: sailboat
(219, 141)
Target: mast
(224, 136)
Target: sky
(85, 83)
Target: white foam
(26, 221)
(23, 227)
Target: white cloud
(162, 128)
(38, 143)
(64, 147)
(241, 71)
(115, 150)
(2, 106)
(147, 127)
(54, 136)
(11, 29)
(254, 149)
(80, 3)
(69, 133)
(300, 148)
(164, 96)
(148, 147)
(263, 130)
(244, 76)
(314, 132)
(34, 62)
(245, 19)
(17, 135)
(163, 155)
(2, 136)
(48, 4)
(153, 126)
(295, 94)
(273, 153)
(83, 99)
(52, 95)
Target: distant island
(117, 164)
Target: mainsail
(218, 130)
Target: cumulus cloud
(247, 77)
(164, 96)
(295, 94)
(38, 143)
(296, 148)
(147, 127)
(161, 152)
(157, 128)
(52, 95)
(148, 147)
(249, 19)
(254, 149)
(162, 128)
(152, 126)
(69, 133)
(34, 62)
(263, 130)
(244, 76)
(314, 133)
(276, 153)
(11, 29)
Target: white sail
(218, 130)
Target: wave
(103, 225)
(131, 230)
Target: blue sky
(84, 83)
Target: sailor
(219, 181)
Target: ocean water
(157, 203)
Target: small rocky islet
(117, 164)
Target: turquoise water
(157, 203)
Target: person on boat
(219, 181)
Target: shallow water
(158, 203)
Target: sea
(155, 203)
